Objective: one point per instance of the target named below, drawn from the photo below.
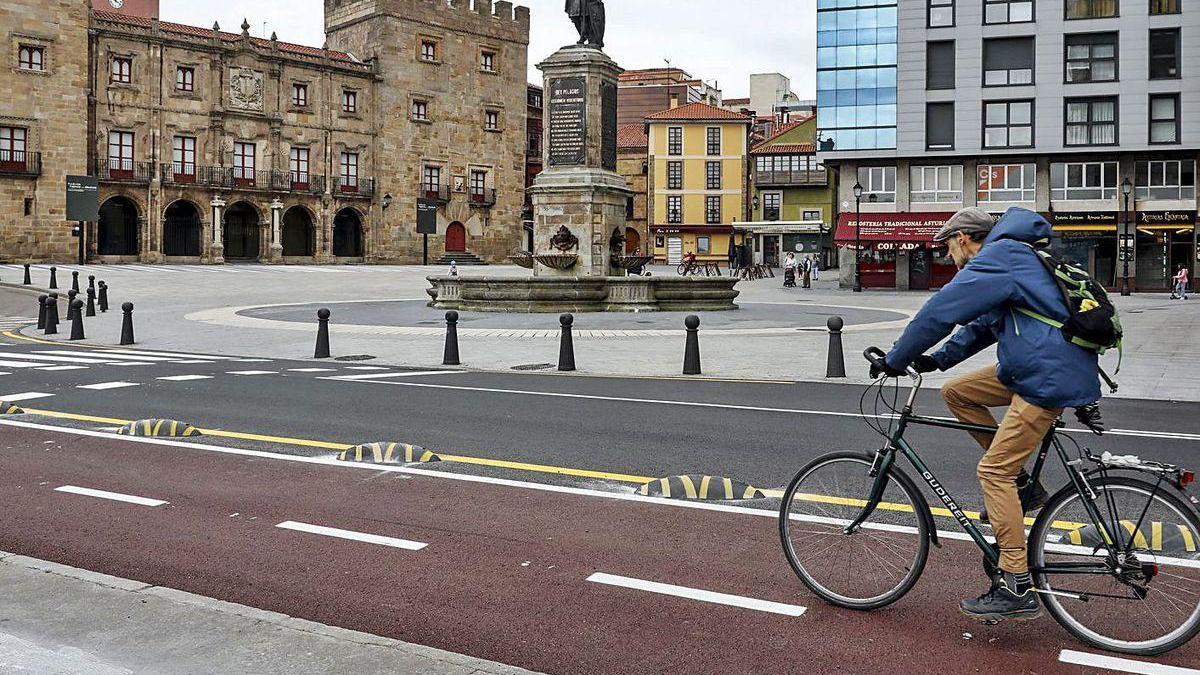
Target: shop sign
(1166, 218)
(1083, 217)
(897, 246)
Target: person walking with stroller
(789, 270)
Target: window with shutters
(1007, 61)
(939, 126)
(939, 65)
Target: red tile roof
(699, 112)
(736, 101)
(784, 149)
(196, 31)
(632, 136)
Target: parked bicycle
(1114, 553)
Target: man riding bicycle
(1039, 373)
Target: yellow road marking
(1156, 536)
(704, 485)
(689, 488)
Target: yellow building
(698, 180)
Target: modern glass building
(856, 74)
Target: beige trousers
(1019, 434)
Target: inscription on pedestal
(567, 135)
(608, 124)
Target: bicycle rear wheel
(870, 568)
(1143, 596)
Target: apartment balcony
(804, 178)
(354, 187)
(232, 178)
(20, 163)
(438, 193)
(124, 171)
(484, 197)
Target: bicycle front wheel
(1139, 594)
(869, 568)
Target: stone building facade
(212, 146)
(633, 163)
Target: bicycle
(1104, 548)
(689, 268)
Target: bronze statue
(588, 17)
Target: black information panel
(427, 216)
(608, 120)
(568, 122)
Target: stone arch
(243, 231)
(182, 225)
(456, 237)
(348, 233)
(118, 229)
(298, 232)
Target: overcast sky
(711, 39)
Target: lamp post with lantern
(1125, 247)
(858, 192)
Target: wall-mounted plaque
(245, 89)
(567, 135)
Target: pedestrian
(789, 270)
(1179, 290)
(816, 268)
(453, 268)
(806, 270)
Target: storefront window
(1166, 179)
(937, 183)
(878, 182)
(1079, 180)
(1007, 182)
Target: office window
(1007, 182)
(185, 79)
(1091, 121)
(428, 50)
(675, 141)
(122, 70)
(120, 152)
(939, 126)
(939, 65)
(31, 58)
(348, 170)
(491, 120)
(298, 166)
(1164, 54)
(1164, 6)
(712, 209)
(878, 182)
(487, 60)
(299, 95)
(1007, 11)
(420, 110)
(1008, 124)
(1091, 9)
(933, 184)
(1083, 180)
(1164, 118)
(675, 209)
(1091, 57)
(712, 175)
(771, 203)
(431, 180)
(478, 185)
(674, 175)
(12, 144)
(183, 157)
(349, 101)
(1007, 61)
(243, 163)
(713, 141)
(941, 13)
(1166, 179)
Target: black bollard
(566, 346)
(28, 281)
(92, 283)
(322, 350)
(127, 324)
(52, 314)
(91, 301)
(450, 354)
(103, 297)
(835, 366)
(691, 351)
(42, 312)
(53, 278)
(75, 281)
(71, 303)
(76, 320)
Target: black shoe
(1007, 599)
(1033, 496)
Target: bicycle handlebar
(878, 358)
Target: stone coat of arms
(246, 89)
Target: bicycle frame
(886, 457)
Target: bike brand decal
(945, 497)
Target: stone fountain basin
(582, 294)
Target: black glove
(887, 369)
(925, 364)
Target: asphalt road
(503, 572)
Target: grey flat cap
(970, 220)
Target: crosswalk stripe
(378, 376)
(24, 396)
(252, 372)
(34, 356)
(158, 354)
(58, 368)
(185, 378)
(102, 386)
(21, 364)
(109, 356)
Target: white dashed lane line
(58, 368)
(252, 372)
(379, 376)
(185, 378)
(312, 370)
(114, 496)
(352, 535)
(1121, 664)
(697, 594)
(102, 386)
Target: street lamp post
(1123, 247)
(858, 191)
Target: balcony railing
(800, 177)
(353, 187)
(20, 163)
(484, 197)
(440, 193)
(234, 178)
(125, 171)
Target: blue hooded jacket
(1036, 361)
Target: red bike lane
(503, 575)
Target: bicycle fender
(926, 514)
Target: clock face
(116, 3)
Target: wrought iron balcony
(440, 193)
(124, 171)
(800, 177)
(483, 197)
(20, 163)
(353, 187)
